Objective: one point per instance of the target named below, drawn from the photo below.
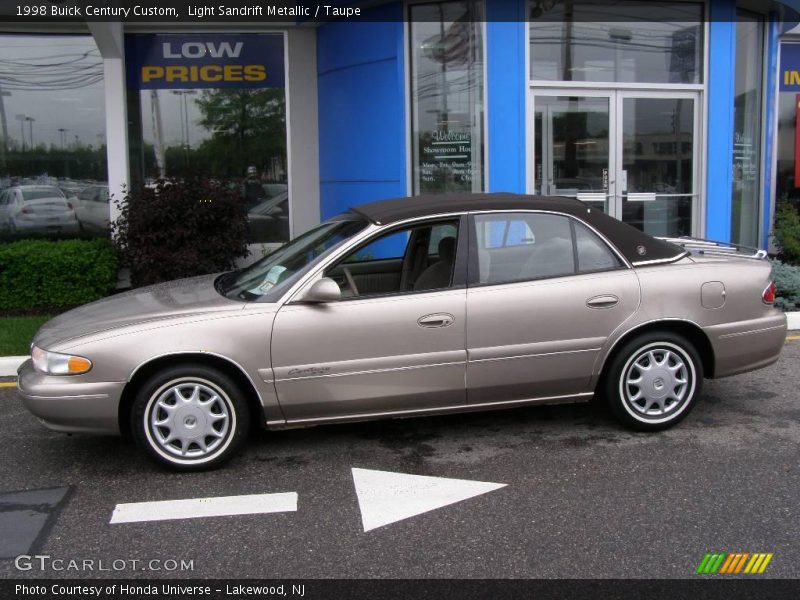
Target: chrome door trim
(581, 397)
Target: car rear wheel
(190, 418)
(653, 381)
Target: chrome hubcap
(189, 419)
(656, 382)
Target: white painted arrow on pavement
(385, 497)
(194, 508)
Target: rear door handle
(436, 320)
(603, 301)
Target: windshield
(276, 271)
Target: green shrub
(38, 274)
(787, 232)
(787, 278)
(181, 228)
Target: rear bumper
(68, 405)
(747, 345)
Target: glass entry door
(572, 148)
(656, 163)
(633, 155)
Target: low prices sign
(157, 62)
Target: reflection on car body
(427, 305)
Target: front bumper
(69, 404)
(747, 345)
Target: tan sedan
(418, 306)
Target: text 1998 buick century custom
(406, 307)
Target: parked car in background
(417, 306)
(269, 219)
(40, 209)
(92, 209)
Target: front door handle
(436, 320)
(604, 301)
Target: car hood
(174, 299)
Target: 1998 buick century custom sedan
(417, 306)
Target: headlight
(53, 363)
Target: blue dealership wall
(362, 123)
(506, 81)
(721, 87)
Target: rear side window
(526, 246)
(593, 253)
(523, 246)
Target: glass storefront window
(234, 131)
(787, 188)
(53, 149)
(447, 97)
(649, 42)
(747, 128)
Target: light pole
(21, 119)
(185, 117)
(63, 136)
(30, 121)
(4, 146)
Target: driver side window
(409, 259)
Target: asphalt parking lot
(583, 498)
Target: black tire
(652, 406)
(215, 405)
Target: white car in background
(36, 209)
(92, 209)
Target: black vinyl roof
(635, 245)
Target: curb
(10, 364)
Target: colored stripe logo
(734, 563)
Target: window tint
(593, 253)
(392, 246)
(437, 233)
(519, 247)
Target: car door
(391, 348)
(544, 293)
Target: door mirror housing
(323, 290)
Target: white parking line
(194, 508)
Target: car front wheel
(190, 418)
(653, 381)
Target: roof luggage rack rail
(699, 246)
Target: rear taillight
(27, 211)
(769, 293)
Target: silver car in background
(418, 306)
(39, 209)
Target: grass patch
(16, 333)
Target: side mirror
(323, 290)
